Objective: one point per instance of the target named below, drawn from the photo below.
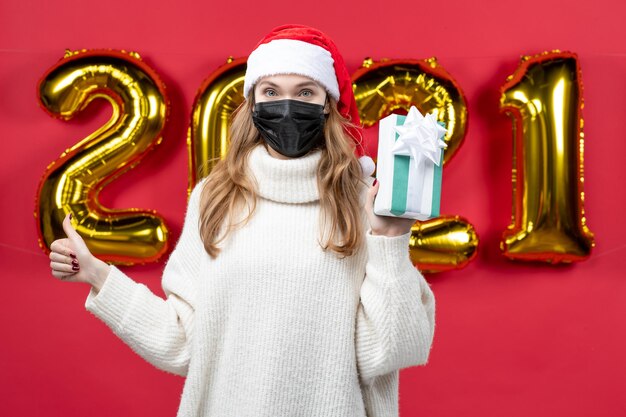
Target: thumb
(69, 229)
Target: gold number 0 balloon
(544, 98)
(72, 183)
(383, 87)
(217, 98)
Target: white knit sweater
(275, 326)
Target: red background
(511, 339)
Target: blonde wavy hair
(228, 189)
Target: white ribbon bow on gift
(420, 137)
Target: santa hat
(302, 50)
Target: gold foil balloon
(384, 87)
(217, 98)
(544, 98)
(72, 182)
(442, 243)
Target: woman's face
(289, 86)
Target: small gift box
(409, 165)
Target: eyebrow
(271, 84)
(308, 84)
(303, 84)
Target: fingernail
(72, 255)
(70, 216)
(74, 262)
(375, 181)
(75, 268)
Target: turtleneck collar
(285, 180)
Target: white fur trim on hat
(290, 56)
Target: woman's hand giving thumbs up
(71, 260)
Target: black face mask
(290, 127)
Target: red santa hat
(302, 50)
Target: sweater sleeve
(396, 315)
(158, 330)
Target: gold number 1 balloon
(72, 183)
(544, 98)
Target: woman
(286, 294)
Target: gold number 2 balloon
(380, 88)
(544, 98)
(72, 182)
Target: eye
(306, 93)
(270, 92)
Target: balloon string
(18, 249)
(619, 248)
